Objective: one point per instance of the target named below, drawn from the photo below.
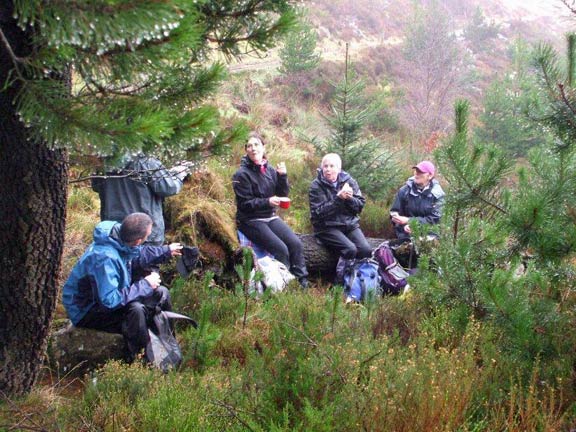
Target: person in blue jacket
(335, 206)
(140, 186)
(100, 292)
(259, 188)
(420, 199)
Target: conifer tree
(367, 159)
(299, 51)
(493, 225)
(499, 226)
(504, 120)
(543, 217)
(97, 77)
(474, 173)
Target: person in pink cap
(420, 199)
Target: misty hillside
(418, 57)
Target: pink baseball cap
(425, 167)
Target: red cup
(284, 203)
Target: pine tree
(544, 218)
(494, 225)
(474, 173)
(299, 51)
(504, 120)
(367, 159)
(98, 77)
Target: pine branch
(566, 102)
(570, 6)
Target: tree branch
(15, 59)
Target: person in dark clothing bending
(258, 188)
(140, 186)
(335, 206)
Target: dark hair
(255, 134)
(134, 227)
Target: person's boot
(303, 282)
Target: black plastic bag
(163, 350)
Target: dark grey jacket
(140, 186)
(329, 211)
(423, 205)
(253, 189)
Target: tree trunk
(32, 220)
(320, 262)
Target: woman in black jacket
(259, 189)
(420, 199)
(335, 206)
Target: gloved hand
(180, 171)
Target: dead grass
(201, 215)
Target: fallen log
(320, 261)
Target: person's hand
(346, 192)
(153, 279)
(407, 229)
(400, 220)
(281, 168)
(175, 249)
(274, 201)
(182, 170)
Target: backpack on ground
(391, 272)
(361, 280)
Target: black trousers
(349, 244)
(131, 321)
(277, 238)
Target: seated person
(421, 199)
(335, 206)
(100, 293)
(259, 188)
(246, 242)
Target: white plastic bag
(276, 275)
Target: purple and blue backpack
(392, 274)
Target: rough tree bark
(321, 262)
(32, 219)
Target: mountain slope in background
(483, 33)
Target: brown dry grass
(201, 215)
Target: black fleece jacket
(329, 211)
(253, 189)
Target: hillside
(459, 49)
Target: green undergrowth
(305, 361)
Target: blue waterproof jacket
(329, 211)
(102, 277)
(253, 189)
(424, 205)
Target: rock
(75, 351)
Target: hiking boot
(303, 283)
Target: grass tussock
(200, 214)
